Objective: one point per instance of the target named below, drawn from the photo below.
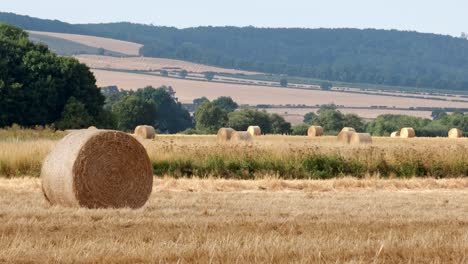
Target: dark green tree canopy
(36, 85)
(226, 103)
(210, 117)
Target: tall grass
(287, 157)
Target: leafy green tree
(309, 117)
(226, 103)
(354, 121)
(36, 85)
(171, 116)
(209, 117)
(384, 125)
(279, 125)
(132, 111)
(209, 75)
(284, 82)
(74, 116)
(438, 114)
(326, 86)
(331, 120)
(300, 130)
(183, 74)
(241, 120)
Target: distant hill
(370, 56)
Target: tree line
(332, 120)
(387, 57)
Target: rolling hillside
(384, 57)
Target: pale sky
(435, 16)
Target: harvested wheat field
(150, 64)
(124, 47)
(187, 90)
(227, 221)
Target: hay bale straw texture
(241, 136)
(97, 169)
(407, 132)
(225, 134)
(348, 129)
(360, 138)
(315, 131)
(455, 133)
(92, 127)
(345, 136)
(145, 132)
(395, 134)
(254, 131)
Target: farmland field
(274, 200)
(228, 221)
(187, 90)
(124, 47)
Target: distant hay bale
(92, 127)
(254, 131)
(225, 134)
(395, 134)
(360, 138)
(345, 136)
(348, 129)
(455, 133)
(97, 169)
(407, 132)
(241, 136)
(145, 132)
(315, 131)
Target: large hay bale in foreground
(315, 131)
(345, 136)
(395, 134)
(145, 132)
(254, 131)
(407, 132)
(97, 169)
(225, 134)
(360, 138)
(348, 129)
(455, 133)
(241, 136)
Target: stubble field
(276, 205)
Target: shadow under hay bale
(97, 169)
(407, 132)
(360, 138)
(254, 131)
(315, 131)
(241, 136)
(145, 132)
(225, 134)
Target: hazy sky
(437, 16)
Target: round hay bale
(395, 134)
(455, 133)
(254, 131)
(360, 138)
(345, 136)
(97, 169)
(92, 127)
(145, 132)
(241, 136)
(315, 131)
(407, 132)
(348, 129)
(225, 134)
